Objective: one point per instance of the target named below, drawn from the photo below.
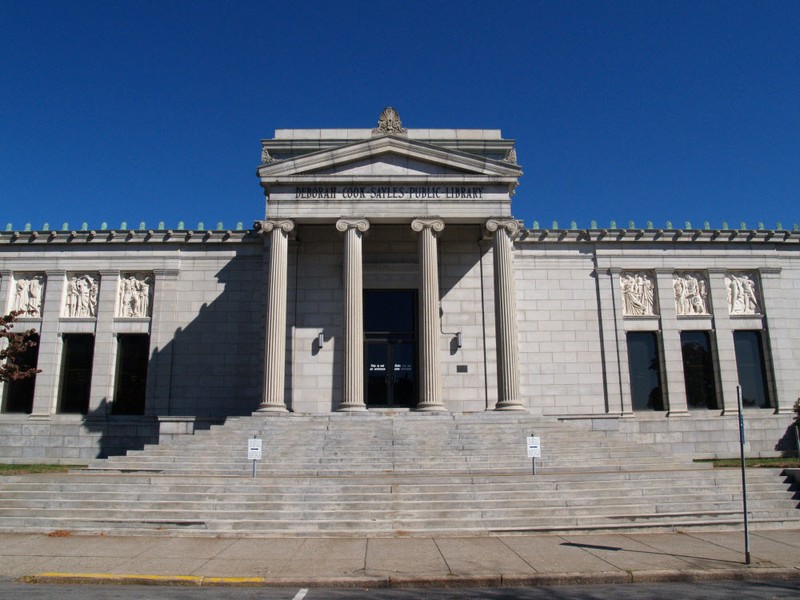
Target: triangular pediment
(386, 156)
(391, 165)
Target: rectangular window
(19, 393)
(698, 369)
(752, 368)
(644, 363)
(76, 372)
(133, 352)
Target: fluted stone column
(275, 346)
(430, 389)
(353, 392)
(505, 310)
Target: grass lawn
(774, 462)
(28, 469)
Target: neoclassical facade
(389, 274)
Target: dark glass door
(391, 376)
(390, 348)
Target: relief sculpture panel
(691, 293)
(28, 294)
(743, 295)
(135, 295)
(81, 300)
(638, 293)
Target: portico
(420, 181)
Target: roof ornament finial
(265, 156)
(511, 156)
(389, 122)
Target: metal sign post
(254, 451)
(534, 450)
(744, 476)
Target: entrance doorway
(390, 348)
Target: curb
(455, 581)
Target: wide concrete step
(455, 527)
(392, 475)
(378, 507)
(405, 493)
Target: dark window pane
(752, 369)
(76, 372)
(389, 311)
(698, 369)
(645, 371)
(133, 352)
(19, 393)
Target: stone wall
(703, 435)
(70, 439)
(206, 326)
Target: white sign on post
(534, 447)
(254, 449)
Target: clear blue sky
(149, 111)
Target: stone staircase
(394, 474)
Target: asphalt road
(741, 590)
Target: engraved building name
(389, 192)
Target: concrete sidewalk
(407, 562)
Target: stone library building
(388, 275)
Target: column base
(267, 407)
(430, 407)
(39, 417)
(352, 408)
(509, 405)
(678, 413)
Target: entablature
(662, 236)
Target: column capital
(359, 223)
(434, 223)
(166, 273)
(767, 272)
(268, 225)
(511, 226)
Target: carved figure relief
(743, 296)
(28, 294)
(638, 293)
(135, 293)
(81, 298)
(389, 122)
(691, 293)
